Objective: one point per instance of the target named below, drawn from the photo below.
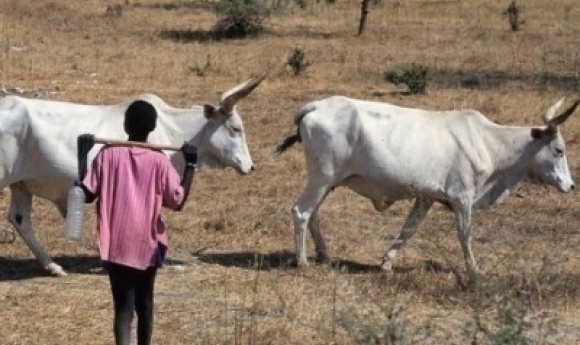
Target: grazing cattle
(38, 146)
(387, 153)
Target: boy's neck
(138, 138)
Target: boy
(132, 184)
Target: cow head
(550, 164)
(224, 143)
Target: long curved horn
(232, 96)
(551, 112)
(555, 122)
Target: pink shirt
(132, 184)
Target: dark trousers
(132, 291)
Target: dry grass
(235, 238)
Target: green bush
(416, 79)
(240, 18)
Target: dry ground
(234, 239)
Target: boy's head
(140, 119)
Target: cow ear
(540, 133)
(210, 111)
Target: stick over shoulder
(136, 143)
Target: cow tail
(296, 137)
(289, 141)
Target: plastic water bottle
(75, 217)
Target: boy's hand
(189, 152)
(86, 141)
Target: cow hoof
(387, 266)
(56, 270)
(177, 268)
(302, 263)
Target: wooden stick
(136, 143)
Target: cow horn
(551, 112)
(232, 96)
(555, 122)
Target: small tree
(514, 16)
(364, 11)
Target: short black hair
(140, 118)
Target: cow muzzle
(566, 187)
(246, 171)
(244, 167)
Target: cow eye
(559, 152)
(236, 130)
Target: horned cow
(38, 146)
(387, 153)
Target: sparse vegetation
(216, 291)
(201, 70)
(394, 329)
(510, 326)
(509, 323)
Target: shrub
(509, 327)
(394, 330)
(297, 61)
(201, 70)
(240, 18)
(415, 78)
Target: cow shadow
(284, 260)
(188, 36)
(13, 269)
(250, 260)
(354, 267)
(178, 5)
(493, 79)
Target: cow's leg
(318, 237)
(414, 219)
(463, 216)
(303, 210)
(20, 217)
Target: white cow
(387, 153)
(38, 143)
